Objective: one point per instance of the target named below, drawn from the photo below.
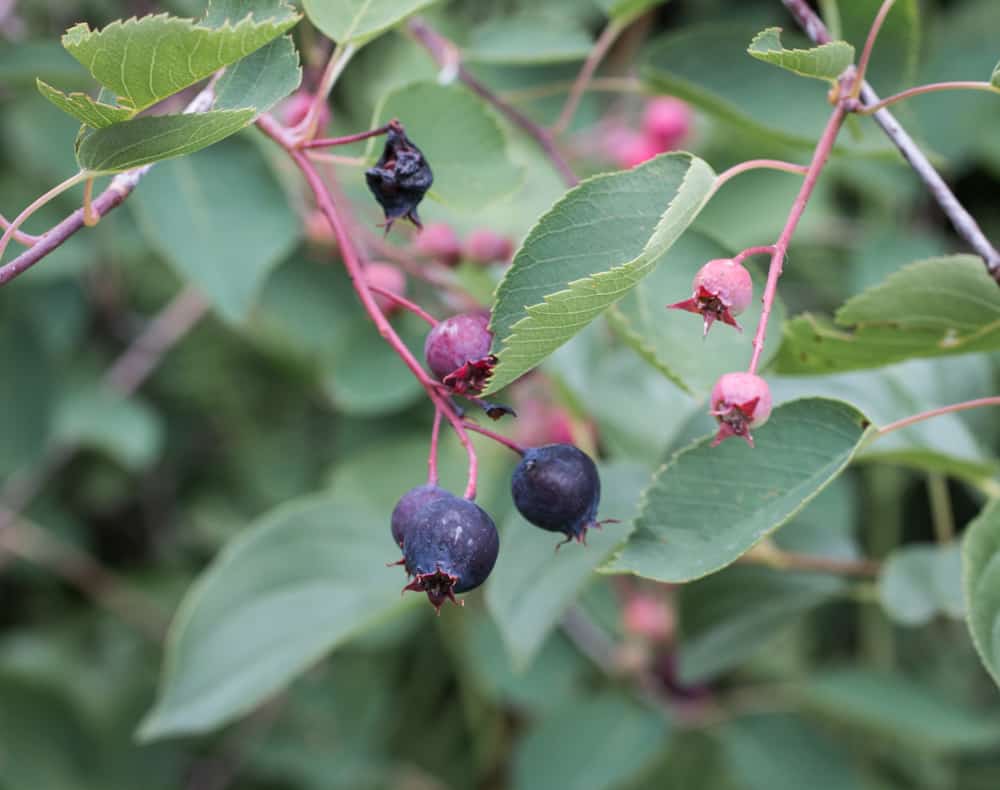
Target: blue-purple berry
(557, 488)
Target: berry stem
(510, 444)
(866, 53)
(432, 456)
(820, 155)
(355, 270)
(405, 303)
(36, 204)
(758, 164)
(338, 61)
(22, 238)
(926, 415)
(330, 142)
(601, 46)
(767, 249)
(929, 88)
(962, 221)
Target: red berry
(635, 149)
(389, 278)
(722, 289)
(438, 241)
(740, 401)
(485, 246)
(667, 121)
(457, 351)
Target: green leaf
(300, 581)
(358, 21)
(727, 617)
(590, 744)
(154, 138)
(260, 80)
(221, 219)
(85, 109)
(525, 39)
(28, 382)
(708, 505)
(624, 11)
(124, 428)
(825, 62)
(593, 246)
(532, 585)
(143, 61)
(981, 581)
(893, 63)
(930, 308)
(995, 77)
(919, 582)
(673, 341)
(222, 12)
(896, 708)
(460, 138)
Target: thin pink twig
(758, 164)
(929, 88)
(767, 249)
(926, 415)
(866, 53)
(432, 457)
(22, 238)
(510, 444)
(330, 142)
(604, 42)
(405, 303)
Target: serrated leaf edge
(779, 55)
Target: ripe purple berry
(556, 487)
(740, 401)
(457, 351)
(722, 289)
(450, 548)
(404, 515)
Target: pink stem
(820, 155)
(355, 271)
(930, 88)
(432, 457)
(22, 238)
(926, 415)
(510, 444)
(767, 249)
(758, 164)
(608, 37)
(866, 53)
(405, 303)
(330, 142)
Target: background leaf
(708, 505)
(527, 39)
(587, 252)
(357, 21)
(981, 581)
(919, 582)
(825, 62)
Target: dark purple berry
(400, 178)
(404, 515)
(556, 487)
(457, 351)
(450, 548)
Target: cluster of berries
(439, 242)
(450, 544)
(666, 124)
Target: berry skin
(457, 351)
(722, 290)
(485, 246)
(387, 276)
(557, 488)
(740, 401)
(404, 515)
(400, 178)
(635, 149)
(450, 548)
(439, 242)
(667, 121)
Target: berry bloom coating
(740, 401)
(450, 548)
(485, 246)
(556, 487)
(400, 178)
(667, 121)
(439, 241)
(722, 289)
(457, 351)
(404, 515)
(390, 278)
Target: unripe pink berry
(438, 241)
(485, 246)
(636, 149)
(649, 617)
(457, 351)
(722, 289)
(740, 401)
(389, 278)
(293, 110)
(667, 121)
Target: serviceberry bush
(313, 314)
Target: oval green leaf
(358, 21)
(919, 582)
(825, 62)
(981, 581)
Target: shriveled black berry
(400, 178)
(450, 548)
(404, 515)
(556, 487)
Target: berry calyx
(440, 243)
(450, 548)
(485, 246)
(722, 290)
(557, 488)
(457, 351)
(388, 278)
(404, 515)
(740, 401)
